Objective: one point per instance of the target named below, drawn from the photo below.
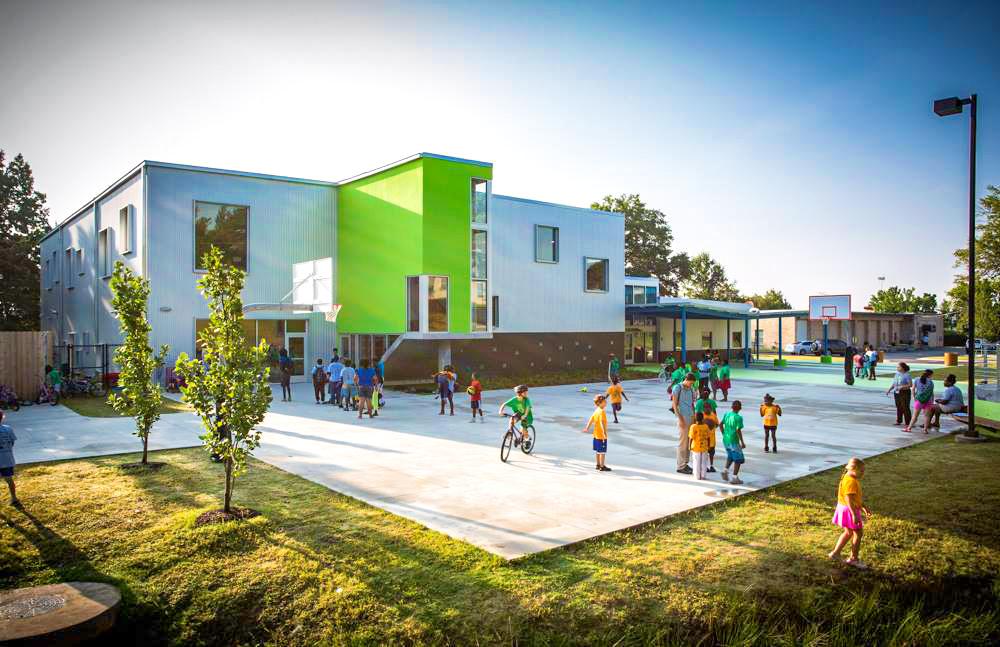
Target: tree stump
(57, 614)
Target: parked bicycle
(47, 394)
(514, 438)
(83, 385)
(8, 398)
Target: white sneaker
(735, 481)
(725, 475)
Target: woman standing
(902, 384)
(285, 370)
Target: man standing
(683, 398)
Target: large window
(223, 226)
(478, 254)
(596, 270)
(479, 309)
(546, 244)
(412, 304)
(437, 303)
(652, 294)
(479, 201)
(738, 339)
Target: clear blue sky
(792, 141)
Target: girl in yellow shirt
(850, 512)
(770, 411)
(700, 434)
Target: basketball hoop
(331, 314)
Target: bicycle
(513, 438)
(83, 385)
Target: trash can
(881, 357)
(951, 359)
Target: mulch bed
(140, 467)
(219, 516)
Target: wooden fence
(23, 356)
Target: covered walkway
(681, 310)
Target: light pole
(944, 108)
(881, 283)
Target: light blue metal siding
(289, 223)
(129, 194)
(550, 297)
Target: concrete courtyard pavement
(445, 472)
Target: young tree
(987, 273)
(24, 219)
(770, 300)
(708, 280)
(140, 396)
(228, 386)
(648, 242)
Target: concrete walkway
(445, 472)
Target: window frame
(406, 288)
(486, 254)
(69, 255)
(555, 242)
(194, 234)
(104, 260)
(473, 325)
(607, 272)
(56, 270)
(447, 302)
(472, 201)
(47, 274)
(126, 227)
(78, 261)
(495, 306)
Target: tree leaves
(770, 300)
(956, 305)
(707, 280)
(24, 220)
(895, 299)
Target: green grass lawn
(319, 567)
(99, 408)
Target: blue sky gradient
(793, 141)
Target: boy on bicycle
(520, 405)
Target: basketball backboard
(831, 307)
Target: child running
(709, 407)
(475, 392)
(725, 380)
(850, 512)
(699, 434)
(615, 393)
(770, 411)
(599, 421)
(732, 438)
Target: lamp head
(949, 106)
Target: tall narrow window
(496, 311)
(437, 303)
(652, 294)
(546, 244)
(479, 306)
(103, 257)
(706, 339)
(79, 262)
(55, 267)
(47, 275)
(412, 303)
(479, 201)
(223, 226)
(478, 254)
(596, 270)
(68, 269)
(125, 229)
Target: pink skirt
(842, 518)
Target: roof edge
(410, 158)
(497, 196)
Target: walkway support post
(779, 339)
(684, 335)
(728, 337)
(746, 343)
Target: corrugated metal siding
(289, 223)
(546, 297)
(129, 194)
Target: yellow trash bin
(951, 359)
(881, 357)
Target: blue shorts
(735, 455)
(7, 471)
(600, 446)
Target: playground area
(445, 473)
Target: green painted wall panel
(447, 231)
(380, 241)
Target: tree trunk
(145, 446)
(229, 484)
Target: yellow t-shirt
(600, 420)
(700, 437)
(615, 393)
(848, 485)
(770, 413)
(711, 438)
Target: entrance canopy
(682, 308)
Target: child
(725, 381)
(319, 381)
(859, 364)
(520, 404)
(732, 438)
(704, 371)
(334, 370)
(708, 406)
(54, 379)
(770, 411)
(850, 512)
(7, 462)
(615, 393)
(445, 379)
(348, 389)
(475, 392)
(699, 434)
(599, 420)
(376, 394)
(923, 400)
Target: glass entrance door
(295, 342)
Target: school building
(429, 264)
(880, 329)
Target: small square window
(706, 339)
(737, 339)
(596, 274)
(652, 295)
(546, 244)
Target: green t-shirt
(55, 379)
(521, 407)
(678, 375)
(731, 423)
(699, 405)
(713, 372)
(724, 372)
(615, 365)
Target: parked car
(983, 345)
(835, 347)
(803, 347)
